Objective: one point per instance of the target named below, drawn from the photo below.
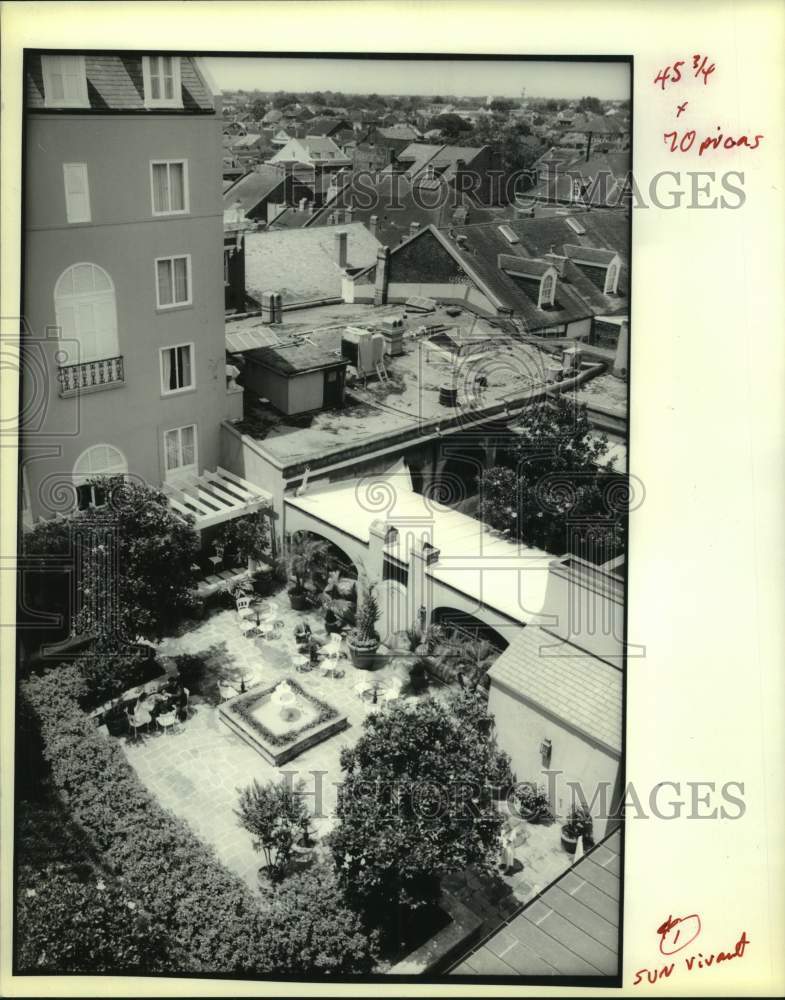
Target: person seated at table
(182, 704)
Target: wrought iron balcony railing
(90, 376)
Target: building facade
(123, 295)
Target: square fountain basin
(258, 720)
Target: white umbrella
(579, 849)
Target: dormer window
(161, 76)
(547, 290)
(612, 279)
(65, 82)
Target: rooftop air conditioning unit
(362, 348)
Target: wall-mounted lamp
(545, 752)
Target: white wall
(521, 728)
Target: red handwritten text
(673, 73)
(683, 142)
(677, 932)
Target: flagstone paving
(198, 769)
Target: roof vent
(575, 226)
(509, 235)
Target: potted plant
(338, 609)
(363, 639)
(579, 824)
(530, 802)
(418, 676)
(303, 554)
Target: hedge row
(214, 920)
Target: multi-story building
(123, 295)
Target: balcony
(90, 376)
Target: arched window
(546, 291)
(100, 460)
(86, 314)
(611, 279)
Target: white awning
(215, 497)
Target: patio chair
(167, 721)
(227, 691)
(243, 606)
(136, 721)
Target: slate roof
(590, 255)
(607, 232)
(301, 264)
(484, 244)
(564, 681)
(570, 929)
(115, 83)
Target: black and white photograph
(323, 504)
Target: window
(86, 314)
(612, 279)
(65, 82)
(169, 180)
(227, 254)
(177, 368)
(547, 290)
(173, 281)
(180, 451)
(162, 81)
(100, 460)
(77, 193)
(392, 570)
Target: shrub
(530, 802)
(106, 675)
(275, 816)
(311, 929)
(217, 924)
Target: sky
(460, 78)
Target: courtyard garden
(256, 782)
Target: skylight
(575, 226)
(509, 235)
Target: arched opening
(611, 279)
(464, 647)
(86, 314)
(330, 577)
(99, 460)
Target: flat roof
(511, 578)
(570, 929)
(408, 405)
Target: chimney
(349, 214)
(460, 179)
(374, 225)
(588, 147)
(382, 276)
(341, 240)
(303, 204)
(414, 228)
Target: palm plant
(303, 554)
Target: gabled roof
(528, 267)
(442, 158)
(606, 232)
(577, 689)
(254, 187)
(589, 255)
(302, 264)
(115, 83)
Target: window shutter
(77, 198)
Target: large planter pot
(363, 654)
(263, 581)
(568, 843)
(298, 601)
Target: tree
(590, 105)
(135, 559)
(516, 148)
(452, 125)
(258, 110)
(416, 803)
(556, 493)
(275, 816)
(502, 104)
